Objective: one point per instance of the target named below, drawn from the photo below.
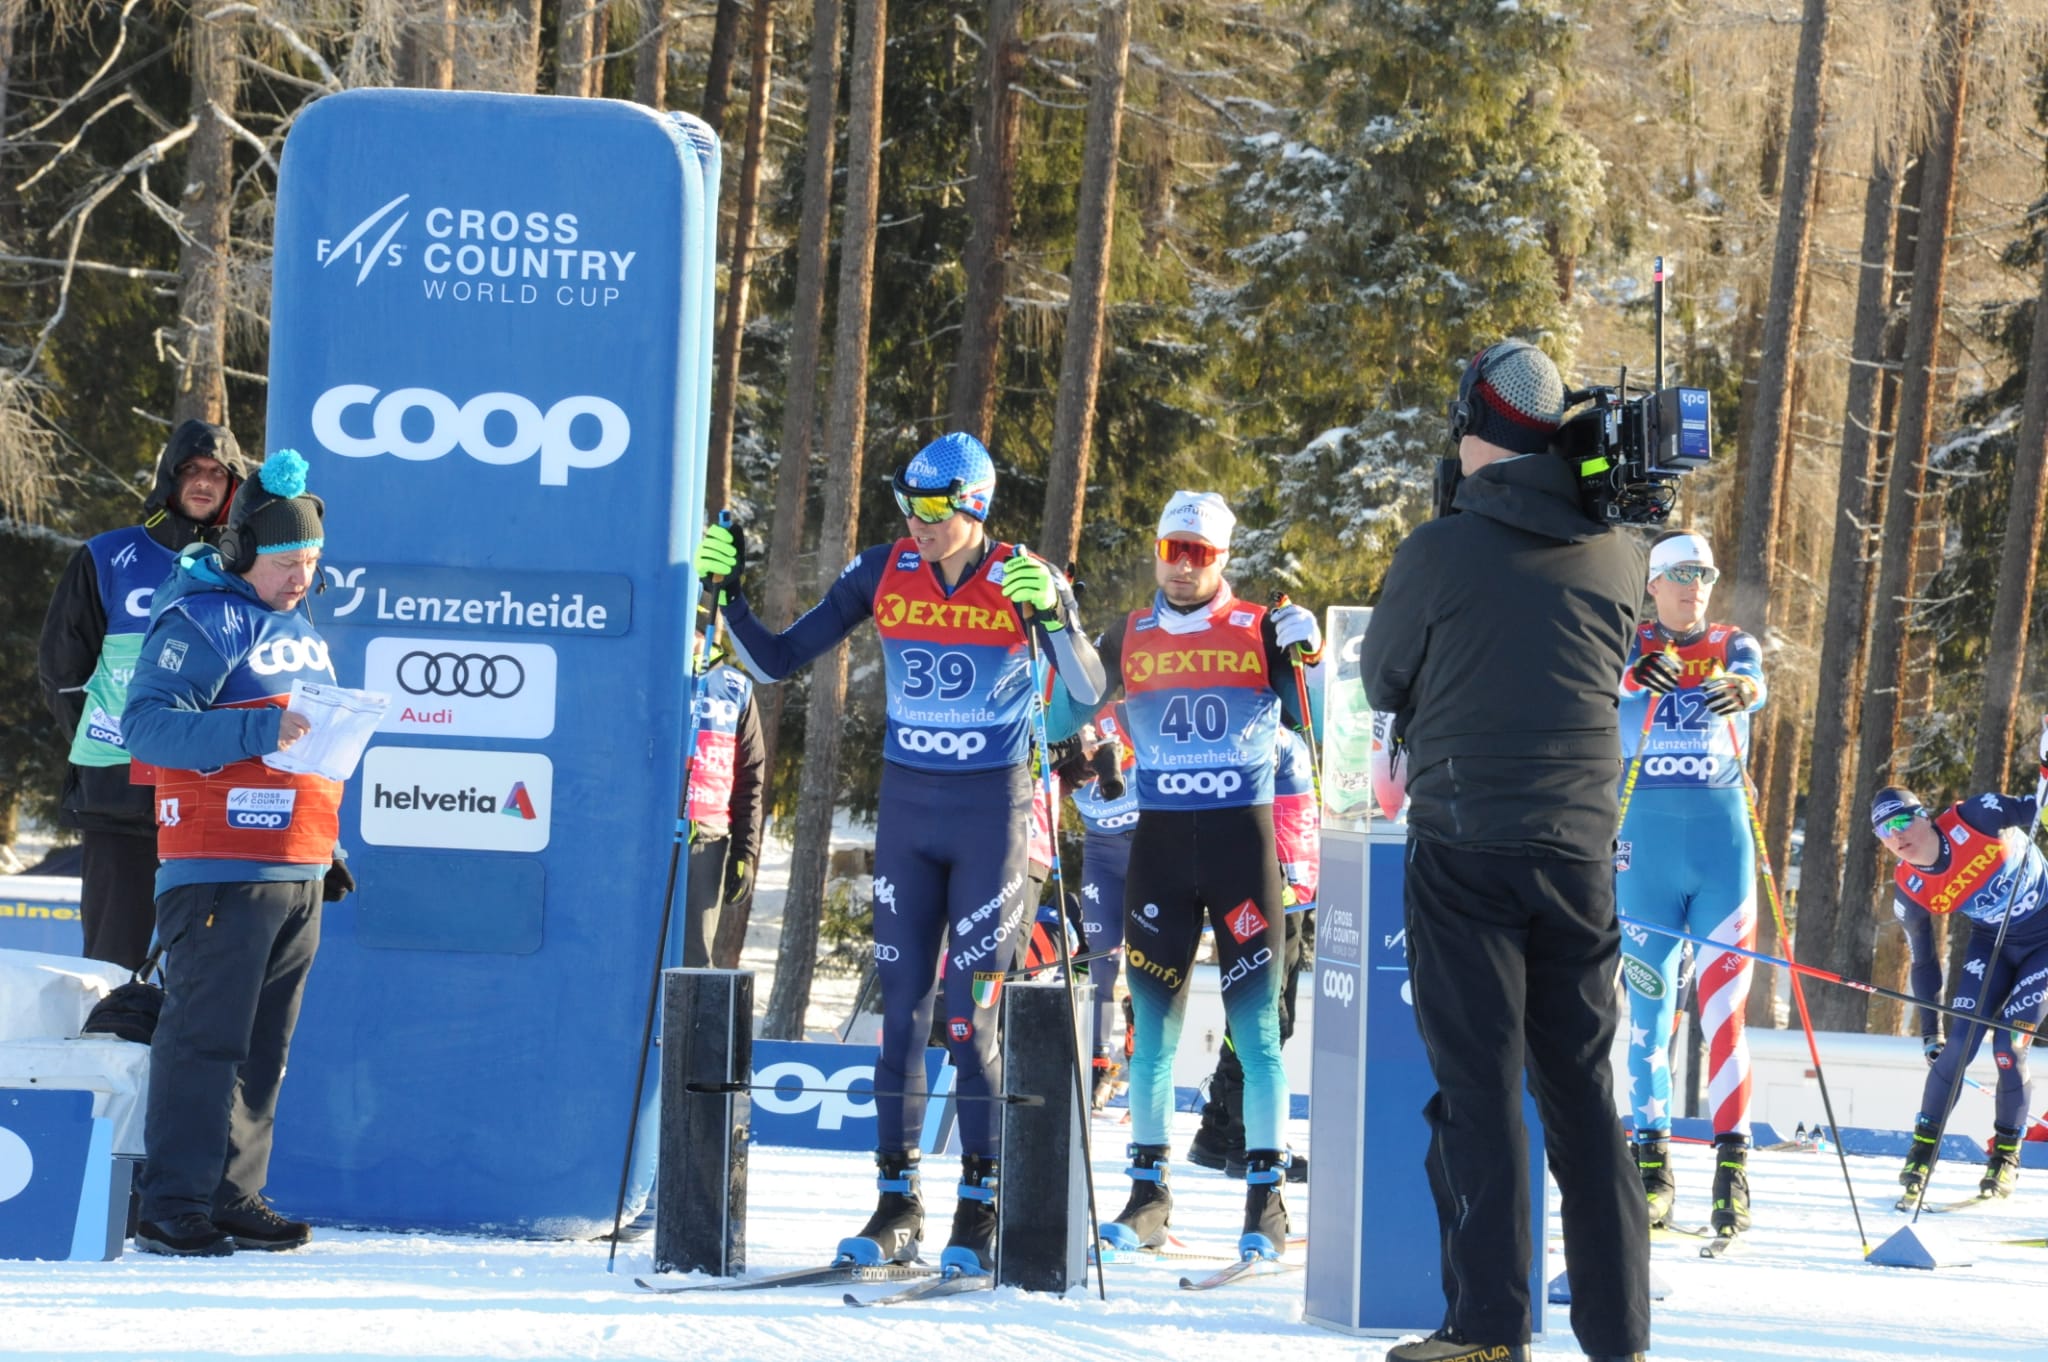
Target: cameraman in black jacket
(1498, 643)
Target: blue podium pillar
(1373, 1264)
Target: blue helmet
(955, 465)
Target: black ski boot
(1919, 1161)
(1653, 1161)
(892, 1232)
(1448, 1345)
(2001, 1163)
(972, 1246)
(1142, 1222)
(1297, 1167)
(1265, 1211)
(1731, 1184)
(1220, 1141)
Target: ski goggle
(1687, 574)
(1899, 822)
(1187, 551)
(934, 504)
(930, 507)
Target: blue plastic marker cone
(1920, 1246)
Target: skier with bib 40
(955, 807)
(1207, 677)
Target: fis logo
(368, 258)
(126, 556)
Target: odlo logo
(1216, 783)
(1643, 978)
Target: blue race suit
(1685, 859)
(954, 812)
(1988, 868)
(1106, 827)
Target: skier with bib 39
(1685, 859)
(955, 806)
(1206, 677)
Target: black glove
(338, 884)
(1729, 693)
(1657, 672)
(739, 879)
(1109, 770)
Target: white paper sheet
(343, 720)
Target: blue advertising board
(491, 340)
(1372, 1261)
(58, 1178)
(813, 1095)
(40, 913)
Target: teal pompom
(284, 474)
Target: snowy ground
(1803, 1292)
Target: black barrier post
(707, 1058)
(1042, 1234)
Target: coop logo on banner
(463, 688)
(359, 421)
(457, 799)
(521, 255)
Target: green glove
(721, 553)
(1027, 581)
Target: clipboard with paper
(342, 720)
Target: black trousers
(1512, 961)
(235, 970)
(703, 899)
(117, 895)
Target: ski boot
(1653, 1162)
(1220, 1141)
(1265, 1211)
(1142, 1222)
(1448, 1345)
(1919, 1161)
(972, 1245)
(1297, 1166)
(2001, 1163)
(1731, 1184)
(892, 1232)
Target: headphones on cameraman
(1460, 410)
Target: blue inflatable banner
(490, 338)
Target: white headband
(1681, 548)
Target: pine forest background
(1146, 244)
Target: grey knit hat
(1512, 397)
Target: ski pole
(1635, 763)
(1763, 858)
(1815, 972)
(1052, 827)
(678, 840)
(1308, 722)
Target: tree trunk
(600, 44)
(1073, 418)
(806, 327)
(991, 205)
(574, 58)
(1999, 723)
(528, 14)
(206, 209)
(1839, 677)
(725, 37)
(11, 12)
(1851, 951)
(845, 437)
(1761, 502)
(426, 58)
(732, 328)
(650, 63)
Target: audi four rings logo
(1681, 766)
(886, 954)
(498, 677)
(1217, 783)
(944, 744)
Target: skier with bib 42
(1976, 859)
(955, 807)
(1207, 677)
(1685, 859)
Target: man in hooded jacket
(1498, 643)
(91, 632)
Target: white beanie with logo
(1201, 514)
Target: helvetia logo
(517, 804)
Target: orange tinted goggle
(1187, 551)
